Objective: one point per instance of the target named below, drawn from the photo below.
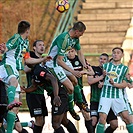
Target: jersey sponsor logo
(42, 73)
(112, 75)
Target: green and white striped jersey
(60, 45)
(117, 73)
(17, 47)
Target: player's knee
(15, 110)
(55, 125)
(18, 126)
(114, 124)
(102, 119)
(13, 82)
(94, 122)
(39, 120)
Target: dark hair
(23, 26)
(80, 26)
(118, 48)
(35, 42)
(104, 54)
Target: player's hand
(23, 89)
(57, 101)
(111, 81)
(129, 85)
(100, 85)
(104, 73)
(77, 74)
(47, 58)
(2, 48)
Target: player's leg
(68, 124)
(61, 76)
(10, 74)
(77, 89)
(103, 110)
(86, 115)
(119, 106)
(113, 121)
(58, 111)
(38, 110)
(77, 93)
(94, 116)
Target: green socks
(130, 128)
(100, 128)
(11, 93)
(77, 94)
(10, 121)
(71, 102)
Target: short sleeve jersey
(95, 91)
(17, 47)
(61, 44)
(118, 74)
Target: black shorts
(36, 104)
(111, 116)
(94, 112)
(63, 108)
(3, 100)
(94, 109)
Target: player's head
(38, 47)
(71, 53)
(103, 59)
(78, 28)
(24, 28)
(117, 54)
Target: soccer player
(16, 48)
(96, 83)
(59, 113)
(111, 93)
(36, 100)
(58, 48)
(77, 65)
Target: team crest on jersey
(76, 63)
(112, 75)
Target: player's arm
(81, 58)
(33, 61)
(55, 86)
(118, 85)
(93, 80)
(63, 65)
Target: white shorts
(6, 72)
(129, 107)
(68, 63)
(59, 72)
(117, 104)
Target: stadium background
(109, 24)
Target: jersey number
(60, 74)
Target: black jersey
(77, 65)
(95, 91)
